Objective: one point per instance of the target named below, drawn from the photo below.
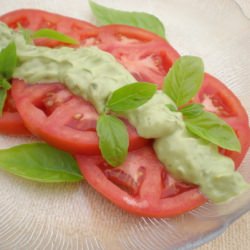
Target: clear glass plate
(74, 216)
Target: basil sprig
(184, 79)
(142, 20)
(54, 35)
(213, 129)
(131, 96)
(8, 63)
(112, 132)
(40, 162)
(4, 87)
(182, 83)
(29, 35)
(113, 139)
(192, 110)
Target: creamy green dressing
(94, 75)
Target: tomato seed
(78, 116)
(49, 103)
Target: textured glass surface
(74, 216)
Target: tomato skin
(148, 202)
(53, 113)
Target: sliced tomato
(53, 113)
(140, 185)
(145, 55)
(117, 35)
(33, 19)
(219, 99)
(11, 122)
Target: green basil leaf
(40, 162)
(27, 34)
(4, 84)
(113, 139)
(142, 20)
(213, 129)
(8, 60)
(184, 79)
(131, 96)
(3, 97)
(54, 35)
(192, 110)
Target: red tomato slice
(62, 119)
(140, 185)
(219, 99)
(117, 35)
(145, 55)
(37, 19)
(11, 122)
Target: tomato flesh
(140, 185)
(219, 99)
(146, 56)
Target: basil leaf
(27, 34)
(54, 35)
(184, 79)
(192, 110)
(131, 96)
(4, 84)
(171, 107)
(3, 97)
(8, 60)
(142, 20)
(213, 129)
(113, 139)
(40, 162)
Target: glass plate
(74, 216)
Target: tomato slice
(11, 122)
(219, 99)
(141, 185)
(145, 55)
(117, 35)
(53, 113)
(33, 19)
